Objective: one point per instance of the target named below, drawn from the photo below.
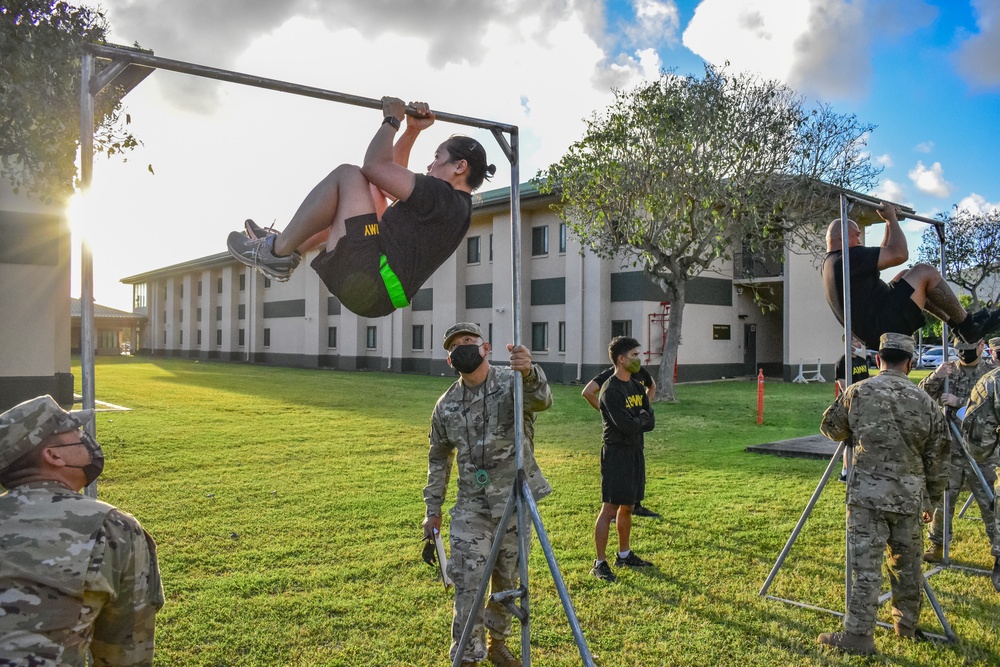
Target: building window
(241, 312)
(139, 296)
(472, 245)
(621, 328)
(180, 291)
(180, 315)
(243, 282)
(267, 337)
(197, 314)
(491, 247)
(199, 288)
(199, 337)
(164, 316)
(562, 336)
(218, 313)
(243, 337)
(489, 333)
(218, 336)
(562, 237)
(540, 240)
(539, 336)
(267, 283)
(418, 337)
(371, 338)
(218, 284)
(331, 337)
(180, 337)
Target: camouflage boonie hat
(961, 346)
(995, 343)
(461, 328)
(896, 341)
(26, 425)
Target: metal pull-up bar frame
(93, 82)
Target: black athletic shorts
(894, 312)
(623, 474)
(351, 271)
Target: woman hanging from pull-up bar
(376, 255)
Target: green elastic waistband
(392, 284)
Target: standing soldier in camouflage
(900, 451)
(473, 422)
(994, 358)
(76, 574)
(981, 429)
(961, 375)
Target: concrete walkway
(808, 447)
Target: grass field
(287, 508)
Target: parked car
(932, 356)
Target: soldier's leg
(935, 531)
(979, 493)
(471, 540)
(867, 533)
(505, 577)
(904, 566)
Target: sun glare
(82, 219)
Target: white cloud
(884, 160)
(924, 147)
(975, 203)
(656, 22)
(930, 180)
(889, 190)
(978, 57)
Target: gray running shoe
(259, 254)
(603, 571)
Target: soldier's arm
(440, 455)
(835, 424)
(615, 410)
(537, 394)
(936, 457)
(981, 424)
(933, 383)
(123, 631)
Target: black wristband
(391, 120)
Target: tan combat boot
(934, 553)
(904, 632)
(848, 642)
(500, 655)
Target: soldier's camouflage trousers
(472, 531)
(869, 532)
(961, 474)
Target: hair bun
(491, 169)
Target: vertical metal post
(87, 337)
(848, 379)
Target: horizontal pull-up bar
(901, 214)
(118, 55)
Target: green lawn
(287, 508)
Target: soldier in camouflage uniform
(901, 450)
(76, 574)
(994, 359)
(473, 424)
(981, 429)
(960, 375)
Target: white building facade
(572, 304)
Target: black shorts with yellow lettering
(351, 271)
(623, 474)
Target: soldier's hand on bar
(423, 119)
(951, 401)
(520, 359)
(393, 106)
(926, 517)
(888, 212)
(430, 524)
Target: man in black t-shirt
(877, 307)
(375, 257)
(590, 394)
(859, 372)
(627, 415)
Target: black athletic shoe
(641, 510)
(602, 571)
(978, 324)
(631, 561)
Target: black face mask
(466, 358)
(93, 469)
(968, 356)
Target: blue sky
(927, 73)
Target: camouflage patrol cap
(28, 424)
(961, 346)
(896, 341)
(461, 328)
